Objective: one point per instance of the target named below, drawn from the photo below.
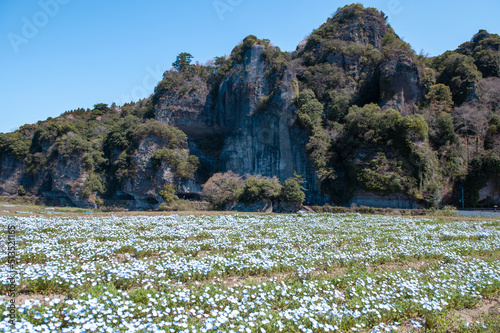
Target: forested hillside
(353, 115)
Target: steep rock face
(11, 173)
(400, 84)
(350, 64)
(258, 137)
(369, 30)
(65, 183)
(68, 180)
(363, 26)
(189, 109)
(147, 183)
(240, 92)
(259, 140)
(491, 192)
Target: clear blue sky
(83, 52)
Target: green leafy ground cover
(248, 273)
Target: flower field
(247, 273)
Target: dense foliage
(440, 130)
(484, 49)
(224, 189)
(355, 144)
(102, 141)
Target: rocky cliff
(401, 85)
(353, 110)
(253, 117)
(146, 183)
(11, 173)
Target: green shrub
(384, 176)
(339, 103)
(188, 168)
(258, 188)
(390, 37)
(406, 163)
(264, 103)
(225, 188)
(440, 98)
(45, 135)
(491, 137)
(183, 62)
(119, 135)
(415, 128)
(443, 132)
(293, 191)
(222, 188)
(362, 123)
(21, 191)
(14, 144)
(93, 184)
(309, 110)
(458, 72)
(174, 137)
(122, 166)
(168, 193)
(484, 48)
(322, 78)
(72, 145)
(319, 152)
(183, 164)
(35, 162)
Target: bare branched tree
(489, 93)
(471, 121)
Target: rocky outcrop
(358, 25)
(261, 141)
(11, 173)
(146, 183)
(257, 137)
(188, 107)
(239, 114)
(400, 84)
(64, 185)
(368, 30)
(68, 180)
(491, 192)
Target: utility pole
(437, 199)
(463, 202)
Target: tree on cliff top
(485, 49)
(183, 61)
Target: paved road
(492, 215)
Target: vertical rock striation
(255, 117)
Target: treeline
(446, 139)
(224, 190)
(362, 133)
(102, 140)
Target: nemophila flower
(298, 248)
